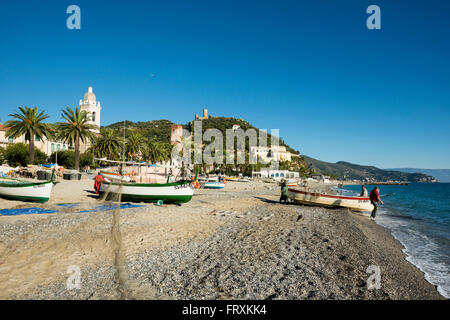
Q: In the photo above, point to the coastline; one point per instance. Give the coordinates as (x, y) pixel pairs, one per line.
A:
(237, 243)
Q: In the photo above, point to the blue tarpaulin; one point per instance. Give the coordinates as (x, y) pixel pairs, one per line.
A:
(68, 205)
(14, 212)
(112, 206)
(103, 207)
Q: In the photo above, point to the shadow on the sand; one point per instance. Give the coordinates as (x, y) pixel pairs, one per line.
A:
(92, 194)
(271, 201)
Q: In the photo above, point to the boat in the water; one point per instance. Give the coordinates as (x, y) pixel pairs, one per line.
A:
(22, 190)
(328, 200)
(115, 176)
(171, 192)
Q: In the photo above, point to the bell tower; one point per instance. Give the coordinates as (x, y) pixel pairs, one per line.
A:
(92, 107)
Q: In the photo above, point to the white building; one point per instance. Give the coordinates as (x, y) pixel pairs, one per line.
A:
(277, 153)
(92, 106)
(49, 146)
(275, 174)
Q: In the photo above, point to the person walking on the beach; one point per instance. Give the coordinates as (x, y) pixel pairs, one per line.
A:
(97, 183)
(283, 191)
(374, 199)
(364, 192)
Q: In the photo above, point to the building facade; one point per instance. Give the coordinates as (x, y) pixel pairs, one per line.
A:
(267, 154)
(275, 174)
(47, 146)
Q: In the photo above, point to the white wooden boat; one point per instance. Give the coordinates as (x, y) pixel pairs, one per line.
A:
(313, 198)
(172, 192)
(213, 184)
(243, 180)
(15, 189)
(115, 176)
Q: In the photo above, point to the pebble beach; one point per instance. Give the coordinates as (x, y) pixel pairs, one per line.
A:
(235, 243)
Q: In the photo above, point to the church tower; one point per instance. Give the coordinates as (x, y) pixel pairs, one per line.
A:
(92, 107)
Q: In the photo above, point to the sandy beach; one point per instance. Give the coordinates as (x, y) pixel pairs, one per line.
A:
(235, 243)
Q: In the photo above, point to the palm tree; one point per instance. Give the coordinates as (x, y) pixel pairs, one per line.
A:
(107, 145)
(76, 128)
(29, 122)
(135, 144)
(155, 152)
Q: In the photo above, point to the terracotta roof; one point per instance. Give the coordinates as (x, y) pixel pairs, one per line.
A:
(3, 128)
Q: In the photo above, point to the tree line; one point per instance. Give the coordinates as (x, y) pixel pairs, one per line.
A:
(74, 130)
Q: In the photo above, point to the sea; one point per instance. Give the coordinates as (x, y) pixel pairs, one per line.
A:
(418, 215)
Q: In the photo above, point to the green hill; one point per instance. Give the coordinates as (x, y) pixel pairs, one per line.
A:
(347, 170)
(157, 130)
(223, 123)
(443, 175)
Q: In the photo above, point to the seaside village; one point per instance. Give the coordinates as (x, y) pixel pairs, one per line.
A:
(119, 161)
(110, 202)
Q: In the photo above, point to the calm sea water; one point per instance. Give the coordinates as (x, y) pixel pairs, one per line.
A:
(418, 216)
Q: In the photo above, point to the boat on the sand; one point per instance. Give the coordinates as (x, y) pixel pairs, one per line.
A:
(214, 184)
(22, 190)
(171, 192)
(328, 200)
(115, 176)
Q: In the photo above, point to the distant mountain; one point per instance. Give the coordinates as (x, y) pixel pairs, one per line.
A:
(352, 171)
(443, 175)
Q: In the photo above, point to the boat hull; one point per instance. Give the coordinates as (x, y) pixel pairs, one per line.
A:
(26, 191)
(177, 192)
(361, 204)
(115, 176)
(214, 185)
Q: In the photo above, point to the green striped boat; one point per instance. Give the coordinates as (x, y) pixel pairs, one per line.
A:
(16, 189)
(172, 192)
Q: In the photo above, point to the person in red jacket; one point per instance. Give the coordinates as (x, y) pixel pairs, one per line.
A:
(375, 199)
(97, 183)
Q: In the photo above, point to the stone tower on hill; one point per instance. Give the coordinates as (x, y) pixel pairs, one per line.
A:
(205, 115)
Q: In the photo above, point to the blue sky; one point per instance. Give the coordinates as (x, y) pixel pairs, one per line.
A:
(336, 90)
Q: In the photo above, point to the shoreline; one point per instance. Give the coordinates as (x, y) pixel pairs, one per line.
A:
(416, 261)
(237, 243)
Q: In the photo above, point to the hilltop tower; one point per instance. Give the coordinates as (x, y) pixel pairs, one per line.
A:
(205, 115)
(92, 107)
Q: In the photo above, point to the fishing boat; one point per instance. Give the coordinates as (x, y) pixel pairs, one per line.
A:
(22, 190)
(231, 178)
(213, 184)
(115, 176)
(244, 179)
(170, 192)
(327, 200)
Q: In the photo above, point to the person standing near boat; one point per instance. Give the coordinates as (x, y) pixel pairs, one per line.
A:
(283, 191)
(374, 200)
(364, 192)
